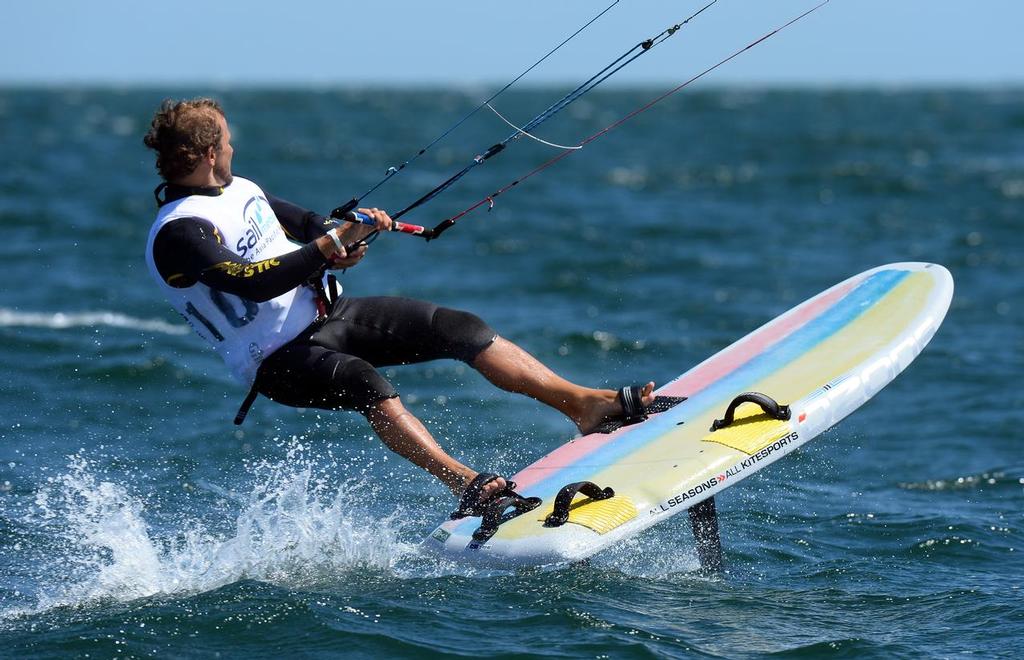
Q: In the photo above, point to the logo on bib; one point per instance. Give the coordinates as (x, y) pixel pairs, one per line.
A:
(260, 224)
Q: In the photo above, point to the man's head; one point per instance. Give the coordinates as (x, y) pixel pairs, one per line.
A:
(192, 142)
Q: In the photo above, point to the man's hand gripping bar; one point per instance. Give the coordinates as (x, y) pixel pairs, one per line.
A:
(356, 216)
(362, 218)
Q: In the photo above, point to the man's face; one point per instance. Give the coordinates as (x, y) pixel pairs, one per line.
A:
(222, 164)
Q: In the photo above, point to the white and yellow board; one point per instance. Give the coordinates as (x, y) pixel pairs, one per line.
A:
(824, 359)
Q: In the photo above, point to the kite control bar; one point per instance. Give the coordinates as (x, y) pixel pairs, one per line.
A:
(348, 215)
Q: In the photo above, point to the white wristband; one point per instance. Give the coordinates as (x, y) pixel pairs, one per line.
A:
(337, 243)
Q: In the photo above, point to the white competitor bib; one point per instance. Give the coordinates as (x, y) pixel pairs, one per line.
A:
(242, 331)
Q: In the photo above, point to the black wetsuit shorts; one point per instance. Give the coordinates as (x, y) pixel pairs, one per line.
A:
(334, 365)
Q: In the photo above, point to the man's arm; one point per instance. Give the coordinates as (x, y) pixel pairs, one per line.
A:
(300, 225)
(190, 250)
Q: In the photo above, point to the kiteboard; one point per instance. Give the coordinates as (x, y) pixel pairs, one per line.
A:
(730, 416)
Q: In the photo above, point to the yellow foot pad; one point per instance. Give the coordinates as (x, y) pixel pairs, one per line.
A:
(752, 430)
(602, 516)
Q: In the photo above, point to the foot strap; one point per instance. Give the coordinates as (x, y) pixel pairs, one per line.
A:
(470, 504)
(495, 509)
(633, 410)
(770, 406)
(632, 401)
(497, 512)
(563, 500)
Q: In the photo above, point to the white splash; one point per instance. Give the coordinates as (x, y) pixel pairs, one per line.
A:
(654, 554)
(291, 530)
(62, 320)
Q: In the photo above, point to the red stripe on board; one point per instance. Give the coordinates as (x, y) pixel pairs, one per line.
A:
(692, 382)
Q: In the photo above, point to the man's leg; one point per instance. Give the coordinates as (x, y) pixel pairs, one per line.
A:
(514, 370)
(405, 435)
(385, 331)
(305, 375)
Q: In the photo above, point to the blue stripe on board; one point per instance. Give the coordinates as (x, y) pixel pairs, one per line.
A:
(843, 312)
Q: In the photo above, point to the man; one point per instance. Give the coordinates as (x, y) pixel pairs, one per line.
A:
(237, 262)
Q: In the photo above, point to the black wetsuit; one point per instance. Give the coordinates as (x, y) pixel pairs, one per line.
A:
(332, 364)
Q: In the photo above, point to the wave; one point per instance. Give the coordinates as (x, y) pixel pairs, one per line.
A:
(64, 320)
(292, 529)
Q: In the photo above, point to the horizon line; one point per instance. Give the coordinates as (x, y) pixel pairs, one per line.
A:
(414, 86)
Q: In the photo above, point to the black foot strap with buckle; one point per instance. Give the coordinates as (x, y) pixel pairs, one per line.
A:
(770, 406)
(633, 409)
(497, 512)
(493, 510)
(563, 500)
(471, 504)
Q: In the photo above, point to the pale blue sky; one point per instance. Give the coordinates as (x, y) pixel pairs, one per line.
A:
(389, 42)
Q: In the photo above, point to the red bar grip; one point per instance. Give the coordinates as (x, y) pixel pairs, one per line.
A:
(407, 228)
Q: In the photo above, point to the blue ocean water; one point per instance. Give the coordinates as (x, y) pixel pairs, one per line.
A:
(136, 521)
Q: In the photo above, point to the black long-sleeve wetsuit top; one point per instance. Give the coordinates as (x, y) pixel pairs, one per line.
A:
(189, 250)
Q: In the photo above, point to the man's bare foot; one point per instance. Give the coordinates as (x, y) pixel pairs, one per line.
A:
(603, 405)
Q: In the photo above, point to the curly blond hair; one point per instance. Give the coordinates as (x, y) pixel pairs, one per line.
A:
(182, 133)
